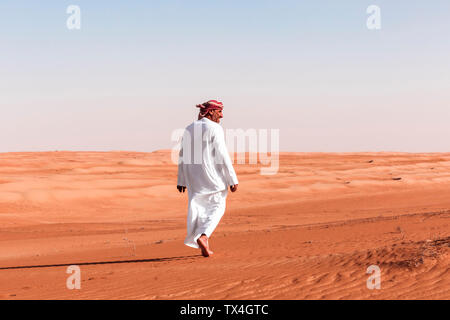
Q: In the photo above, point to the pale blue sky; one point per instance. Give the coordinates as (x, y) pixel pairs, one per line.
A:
(312, 69)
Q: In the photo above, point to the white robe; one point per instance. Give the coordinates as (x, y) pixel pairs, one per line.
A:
(206, 170)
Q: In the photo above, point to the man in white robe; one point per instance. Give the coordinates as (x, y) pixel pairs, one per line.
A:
(206, 170)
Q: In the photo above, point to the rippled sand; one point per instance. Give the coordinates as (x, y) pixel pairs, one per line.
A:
(309, 232)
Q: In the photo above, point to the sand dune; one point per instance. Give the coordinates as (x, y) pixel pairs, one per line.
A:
(309, 232)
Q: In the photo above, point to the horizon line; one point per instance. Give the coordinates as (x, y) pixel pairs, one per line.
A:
(246, 152)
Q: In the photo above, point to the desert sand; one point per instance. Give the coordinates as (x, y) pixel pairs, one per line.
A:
(308, 232)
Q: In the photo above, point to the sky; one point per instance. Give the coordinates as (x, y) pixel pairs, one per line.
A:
(134, 71)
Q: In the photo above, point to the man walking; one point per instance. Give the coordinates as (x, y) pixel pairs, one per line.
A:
(206, 170)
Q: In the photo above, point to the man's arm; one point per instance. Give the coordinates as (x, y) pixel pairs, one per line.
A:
(224, 157)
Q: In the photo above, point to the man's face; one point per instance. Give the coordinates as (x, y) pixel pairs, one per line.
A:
(216, 115)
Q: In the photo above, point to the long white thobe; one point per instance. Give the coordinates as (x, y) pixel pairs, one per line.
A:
(206, 170)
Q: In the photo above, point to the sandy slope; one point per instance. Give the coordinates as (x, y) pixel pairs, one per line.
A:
(309, 232)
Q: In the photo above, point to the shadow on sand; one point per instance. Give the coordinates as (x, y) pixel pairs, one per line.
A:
(103, 262)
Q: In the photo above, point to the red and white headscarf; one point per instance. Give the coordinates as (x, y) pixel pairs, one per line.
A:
(210, 105)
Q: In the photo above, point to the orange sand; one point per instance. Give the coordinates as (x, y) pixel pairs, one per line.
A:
(309, 232)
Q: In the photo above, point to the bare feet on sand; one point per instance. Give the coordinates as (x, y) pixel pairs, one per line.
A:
(204, 246)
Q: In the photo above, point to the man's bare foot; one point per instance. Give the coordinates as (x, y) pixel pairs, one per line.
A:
(204, 246)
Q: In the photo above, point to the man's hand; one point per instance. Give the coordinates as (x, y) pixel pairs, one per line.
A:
(181, 188)
(233, 188)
